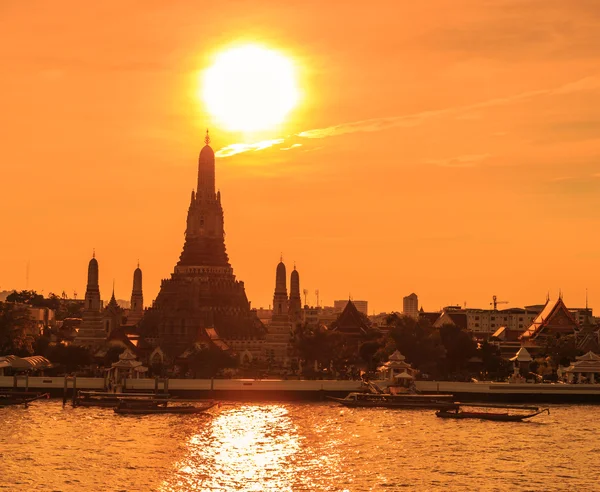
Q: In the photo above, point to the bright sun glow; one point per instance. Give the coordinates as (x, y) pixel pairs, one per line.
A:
(250, 88)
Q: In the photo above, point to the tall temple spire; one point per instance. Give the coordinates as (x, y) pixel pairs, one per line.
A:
(295, 307)
(91, 331)
(203, 291)
(136, 310)
(92, 291)
(280, 279)
(206, 171)
(280, 297)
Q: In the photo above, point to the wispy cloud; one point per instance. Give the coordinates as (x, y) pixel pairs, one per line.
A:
(470, 160)
(293, 146)
(238, 148)
(414, 119)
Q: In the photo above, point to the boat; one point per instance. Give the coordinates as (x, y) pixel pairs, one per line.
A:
(12, 398)
(385, 400)
(111, 400)
(147, 407)
(460, 413)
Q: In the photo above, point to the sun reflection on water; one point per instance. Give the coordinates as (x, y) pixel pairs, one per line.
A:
(244, 448)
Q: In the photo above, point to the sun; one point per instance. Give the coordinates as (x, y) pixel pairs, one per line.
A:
(250, 88)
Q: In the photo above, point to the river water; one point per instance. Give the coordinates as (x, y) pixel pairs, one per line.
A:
(289, 447)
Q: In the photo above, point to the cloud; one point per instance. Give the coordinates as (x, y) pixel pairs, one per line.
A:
(293, 146)
(469, 160)
(238, 148)
(415, 119)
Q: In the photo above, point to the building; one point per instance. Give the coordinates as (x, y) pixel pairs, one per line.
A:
(410, 306)
(279, 330)
(295, 305)
(483, 322)
(362, 306)
(554, 320)
(351, 322)
(203, 292)
(91, 331)
(136, 309)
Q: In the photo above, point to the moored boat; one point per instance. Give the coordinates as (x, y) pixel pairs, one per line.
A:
(480, 413)
(111, 400)
(148, 407)
(384, 400)
(11, 398)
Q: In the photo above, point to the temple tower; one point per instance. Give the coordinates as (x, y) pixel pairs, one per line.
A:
(280, 297)
(202, 291)
(91, 332)
(295, 299)
(136, 312)
(92, 291)
(279, 331)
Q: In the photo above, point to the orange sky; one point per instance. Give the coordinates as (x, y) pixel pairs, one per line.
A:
(457, 155)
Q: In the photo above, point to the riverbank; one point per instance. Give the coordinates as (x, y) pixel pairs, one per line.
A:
(315, 390)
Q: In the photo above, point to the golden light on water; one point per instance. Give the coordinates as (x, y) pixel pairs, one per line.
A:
(250, 88)
(246, 448)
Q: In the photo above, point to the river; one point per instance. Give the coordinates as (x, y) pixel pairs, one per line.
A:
(290, 447)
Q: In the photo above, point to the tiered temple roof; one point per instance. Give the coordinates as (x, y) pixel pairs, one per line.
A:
(351, 322)
(554, 319)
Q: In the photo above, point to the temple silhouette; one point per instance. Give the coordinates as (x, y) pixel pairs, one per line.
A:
(203, 293)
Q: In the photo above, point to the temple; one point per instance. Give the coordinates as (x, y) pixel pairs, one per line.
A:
(102, 325)
(202, 292)
(91, 331)
(554, 320)
(279, 330)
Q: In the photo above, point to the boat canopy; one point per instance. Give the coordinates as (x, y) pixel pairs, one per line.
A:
(26, 363)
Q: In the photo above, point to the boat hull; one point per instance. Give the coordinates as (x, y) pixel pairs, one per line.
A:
(420, 402)
(496, 417)
(162, 410)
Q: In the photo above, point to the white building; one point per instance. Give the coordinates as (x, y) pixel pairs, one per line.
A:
(410, 306)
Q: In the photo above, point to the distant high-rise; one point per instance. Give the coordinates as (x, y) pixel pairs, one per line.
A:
(410, 306)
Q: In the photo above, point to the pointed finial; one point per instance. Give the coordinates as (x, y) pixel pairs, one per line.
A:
(207, 138)
(94, 253)
(138, 262)
(294, 265)
(548, 296)
(113, 287)
(281, 257)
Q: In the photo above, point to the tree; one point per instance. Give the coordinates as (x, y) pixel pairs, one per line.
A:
(494, 365)
(368, 351)
(419, 342)
(70, 357)
(206, 362)
(14, 339)
(459, 345)
(561, 349)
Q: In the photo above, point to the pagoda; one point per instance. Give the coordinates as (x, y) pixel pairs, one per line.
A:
(203, 292)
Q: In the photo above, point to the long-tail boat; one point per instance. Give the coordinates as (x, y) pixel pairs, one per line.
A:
(11, 398)
(128, 406)
(111, 400)
(407, 400)
(460, 413)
